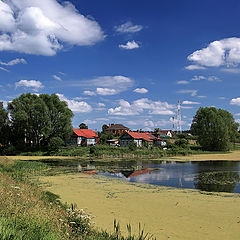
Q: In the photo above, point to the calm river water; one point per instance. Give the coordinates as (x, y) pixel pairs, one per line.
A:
(212, 176)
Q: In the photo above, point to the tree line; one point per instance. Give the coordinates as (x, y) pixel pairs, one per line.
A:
(34, 121)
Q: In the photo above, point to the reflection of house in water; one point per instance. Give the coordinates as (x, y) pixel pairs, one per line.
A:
(132, 173)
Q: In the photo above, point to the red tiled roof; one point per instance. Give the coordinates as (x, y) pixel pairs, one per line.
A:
(145, 136)
(87, 133)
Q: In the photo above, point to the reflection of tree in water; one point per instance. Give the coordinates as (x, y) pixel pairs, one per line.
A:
(217, 176)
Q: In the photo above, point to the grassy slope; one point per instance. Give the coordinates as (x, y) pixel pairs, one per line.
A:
(166, 212)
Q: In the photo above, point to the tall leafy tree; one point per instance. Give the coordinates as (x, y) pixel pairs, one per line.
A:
(4, 125)
(215, 128)
(83, 126)
(59, 115)
(36, 119)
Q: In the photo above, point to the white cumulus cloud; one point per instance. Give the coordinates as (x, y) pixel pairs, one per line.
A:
(76, 106)
(34, 84)
(43, 27)
(235, 101)
(225, 52)
(128, 27)
(106, 91)
(129, 45)
(140, 90)
(141, 105)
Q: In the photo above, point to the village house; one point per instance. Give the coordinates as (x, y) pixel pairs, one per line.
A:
(116, 129)
(164, 134)
(84, 137)
(139, 138)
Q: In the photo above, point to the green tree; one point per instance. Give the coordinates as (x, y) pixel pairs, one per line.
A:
(4, 125)
(215, 128)
(104, 128)
(36, 119)
(83, 126)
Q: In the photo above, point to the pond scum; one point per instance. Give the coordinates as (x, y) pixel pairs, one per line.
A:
(27, 212)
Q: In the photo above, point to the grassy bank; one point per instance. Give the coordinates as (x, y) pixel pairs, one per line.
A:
(27, 212)
(168, 213)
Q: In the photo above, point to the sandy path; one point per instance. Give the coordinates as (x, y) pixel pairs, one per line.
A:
(168, 213)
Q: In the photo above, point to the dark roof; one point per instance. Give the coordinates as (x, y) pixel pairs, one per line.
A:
(117, 127)
(87, 133)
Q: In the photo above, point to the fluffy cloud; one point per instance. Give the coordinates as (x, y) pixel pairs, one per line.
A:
(140, 90)
(105, 91)
(194, 67)
(192, 92)
(235, 101)
(141, 105)
(14, 62)
(128, 27)
(189, 103)
(183, 82)
(34, 84)
(57, 77)
(225, 52)
(76, 106)
(106, 85)
(42, 27)
(129, 45)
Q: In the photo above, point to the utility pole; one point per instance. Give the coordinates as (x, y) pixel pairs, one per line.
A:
(179, 118)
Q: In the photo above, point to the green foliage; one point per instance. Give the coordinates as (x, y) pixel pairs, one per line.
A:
(55, 144)
(133, 146)
(215, 128)
(4, 125)
(183, 143)
(83, 126)
(20, 229)
(36, 119)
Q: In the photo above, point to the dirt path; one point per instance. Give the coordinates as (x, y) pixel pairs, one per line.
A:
(168, 213)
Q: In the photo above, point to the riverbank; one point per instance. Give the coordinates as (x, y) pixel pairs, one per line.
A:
(231, 156)
(216, 156)
(168, 213)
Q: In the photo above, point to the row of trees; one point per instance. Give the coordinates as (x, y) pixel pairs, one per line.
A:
(35, 120)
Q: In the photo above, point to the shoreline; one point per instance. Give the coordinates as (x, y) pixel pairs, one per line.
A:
(231, 156)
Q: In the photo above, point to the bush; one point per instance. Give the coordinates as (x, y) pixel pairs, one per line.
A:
(133, 146)
(55, 144)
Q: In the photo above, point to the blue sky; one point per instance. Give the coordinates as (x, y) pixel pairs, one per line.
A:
(123, 61)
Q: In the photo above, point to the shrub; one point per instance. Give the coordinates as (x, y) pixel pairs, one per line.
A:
(133, 146)
(55, 143)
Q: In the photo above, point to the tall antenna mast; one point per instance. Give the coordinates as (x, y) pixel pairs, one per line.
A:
(179, 118)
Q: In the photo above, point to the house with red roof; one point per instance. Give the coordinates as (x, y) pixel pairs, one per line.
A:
(138, 137)
(84, 137)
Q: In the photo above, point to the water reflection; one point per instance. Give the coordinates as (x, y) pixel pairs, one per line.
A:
(217, 177)
(213, 176)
